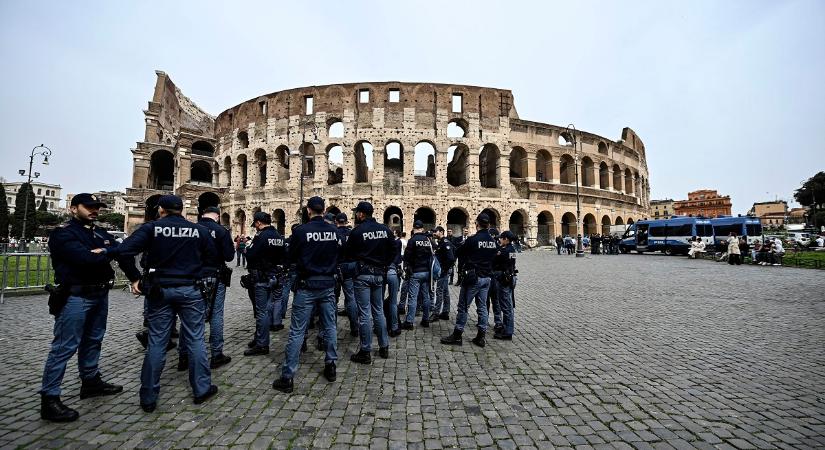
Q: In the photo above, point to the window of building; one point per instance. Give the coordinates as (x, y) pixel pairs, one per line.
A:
(364, 96)
(395, 95)
(457, 102)
(308, 104)
(263, 107)
(51, 204)
(39, 191)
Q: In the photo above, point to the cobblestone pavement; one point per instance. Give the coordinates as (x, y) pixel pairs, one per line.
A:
(611, 351)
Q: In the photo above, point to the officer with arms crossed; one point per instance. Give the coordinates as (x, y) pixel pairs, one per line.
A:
(265, 262)
(314, 248)
(477, 252)
(445, 252)
(504, 271)
(418, 260)
(370, 244)
(175, 250)
(80, 305)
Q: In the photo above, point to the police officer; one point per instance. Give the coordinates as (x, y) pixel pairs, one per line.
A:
(445, 252)
(370, 244)
(418, 259)
(459, 241)
(451, 239)
(314, 247)
(393, 281)
(80, 306)
(504, 271)
(346, 276)
(175, 250)
(477, 253)
(264, 260)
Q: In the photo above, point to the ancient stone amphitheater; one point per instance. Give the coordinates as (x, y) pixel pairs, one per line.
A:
(436, 152)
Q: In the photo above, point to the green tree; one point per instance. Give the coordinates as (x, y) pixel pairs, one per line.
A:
(45, 218)
(24, 196)
(114, 219)
(812, 193)
(43, 205)
(4, 214)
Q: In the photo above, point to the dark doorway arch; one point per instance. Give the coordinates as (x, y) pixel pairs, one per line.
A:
(458, 160)
(567, 173)
(605, 225)
(495, 218)
(203, 148)
(206, 200)
(457, 220)
(488, 161)
(225, 220)
(589, 224)
(568, 224)
(394, 218)
(279, 220)
(200, 172)
(333, 210)
(426, 215)
(162, 171)
(517, 222)
(546, 229)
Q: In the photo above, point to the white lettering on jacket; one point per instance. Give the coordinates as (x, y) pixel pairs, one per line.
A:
(486, 244)
(370, 235)
(320, 236)
(176, 232)
(275, 242)
(423, 244)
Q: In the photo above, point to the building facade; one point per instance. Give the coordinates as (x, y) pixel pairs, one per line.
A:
(50, 193)
(436, 152)
(115, 201)
(661, 209)
(772, 214)
(704, 202)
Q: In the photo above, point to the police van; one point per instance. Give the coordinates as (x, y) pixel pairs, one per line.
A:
(748, 226)
(670, 236)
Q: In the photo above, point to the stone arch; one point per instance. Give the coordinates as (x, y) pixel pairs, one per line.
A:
(282, 157)
(394, 161)
(602, 148)
(206, 200)
(587, 172)
(225, 220)
(617, 177)
(604, 176)
(495, 217)
(279, 220)
(260, 161)
(544, 168)
(589, 224)
(394, 218)
(203, 148)
(363, 162)
(457, 219)
(240, 223)
(226, 171)
(162, 170)
(458, 156)
(518, 163)
(605, 225)
(243, 165)
(332, 209)
(335, 128)
(307, 152)
(488, 161)
(243, 139)
(546, 228)
(569, 225)
(628, 182)
(457, 128)
(335, 163)
(150, 211)
(424, 159)
(200, 172)
(426, 215)
(565, 139)
(567, 174)
(518, 222)
(630, 221)
(619, 221)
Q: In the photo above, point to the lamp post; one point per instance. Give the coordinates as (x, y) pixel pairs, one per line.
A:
(580, 231)
(301, 151)
(46, 152)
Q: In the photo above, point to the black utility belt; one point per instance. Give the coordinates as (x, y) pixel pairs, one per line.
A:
(316, 282)
(80, 289)
(368, 269)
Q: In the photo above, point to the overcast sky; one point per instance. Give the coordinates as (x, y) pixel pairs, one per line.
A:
(726, 95)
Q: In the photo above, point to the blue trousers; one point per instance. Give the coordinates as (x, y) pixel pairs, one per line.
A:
(265, 292)
(393, 282)
(351, 306)
(505, 302)
(369, 293)
(442, 295)
(215, 325)
(419, 282)
(405, 293)
(493, 293)
(186, 302)
(477, 292)
(80, 328)
(302, 305)
(279, 301)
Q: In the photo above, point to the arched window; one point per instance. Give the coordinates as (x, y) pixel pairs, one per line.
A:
(458, 157)
(363, 162)
(494, 217)
(605, 225)
(457, 220)
(568, 224)
(243, 139)
(335, 128)
(517, 221)
(162, 170)
(203, 148)
(544, 168)
(617, 177)
(307, 152)
(628, 182)
(587, 171)
(546, 228)
(426, 215)
(488, 166)
(457, 128)
(226, 171)
(602, 148)
(260, 159)
(518, 162)
(567, 174)
(243, 166)
(424, 159)
(604, 176)
(394, 218)
(200, 172)
(335, 164)
(282, 156)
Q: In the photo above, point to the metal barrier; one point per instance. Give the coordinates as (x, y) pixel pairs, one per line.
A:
(31, 272)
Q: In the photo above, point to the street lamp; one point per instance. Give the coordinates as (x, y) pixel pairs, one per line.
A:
(301, 150)
(579, 251)
(46, 152)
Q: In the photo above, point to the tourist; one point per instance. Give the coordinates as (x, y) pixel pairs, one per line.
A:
(559, 244)
(733, 249)
(777, 252)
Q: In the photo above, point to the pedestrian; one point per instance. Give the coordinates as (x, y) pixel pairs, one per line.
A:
(370, 244)
(504, 270)
(265, 263)
(418, 262)
(314, 247)
(175, 250)
(478, 253)
(80, 306)
(240, 246)
(465, 233)
(445, 252)
(733, 249)
(559, 244)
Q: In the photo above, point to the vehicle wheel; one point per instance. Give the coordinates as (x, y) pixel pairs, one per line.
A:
(668, 251)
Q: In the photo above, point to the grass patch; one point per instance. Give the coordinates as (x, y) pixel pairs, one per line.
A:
(21, 271)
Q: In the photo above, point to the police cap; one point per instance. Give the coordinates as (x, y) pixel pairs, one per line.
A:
(493, 232)
(329, 217)
(172, 202)
(262, 217)
(418, 224)
(89, 200)
(483, 219)
(341, 218)
(211, 209)
(315, 203)
(364, 207)
(508, 235)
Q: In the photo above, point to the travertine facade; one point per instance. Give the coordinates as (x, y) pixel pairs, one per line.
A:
(441, 153)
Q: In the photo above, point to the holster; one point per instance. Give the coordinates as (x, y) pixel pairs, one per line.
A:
(470, 277)
(58, 296)
(246, 281)
(208, 288)
(225, 275)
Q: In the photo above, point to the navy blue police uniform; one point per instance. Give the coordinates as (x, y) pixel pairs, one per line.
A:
(504, 270)
(418, 259)
(265, 262)
(445, 253)
(346, 278)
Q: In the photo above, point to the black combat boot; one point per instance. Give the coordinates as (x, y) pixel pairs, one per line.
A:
(362, 357)
(407, 326)
(479, 339)
(52, 409)
(384, 352)
(219, 360)
(206, 396)
(183, 363)
(96, 387)
(434, 317)
(255, 351)
(425, 323)
(502, 336)
(444, 316)
(283, 384)
(453, 339)
(329, 372)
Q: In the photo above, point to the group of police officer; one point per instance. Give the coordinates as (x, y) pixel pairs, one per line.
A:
(184, 275)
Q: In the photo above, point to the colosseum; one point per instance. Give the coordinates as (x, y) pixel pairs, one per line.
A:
(436, 152)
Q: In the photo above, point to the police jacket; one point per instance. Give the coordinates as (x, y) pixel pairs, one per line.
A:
(505, 259)
(478, 252)
(314, 247)
(266, 250)
(418, 256)
(174, 246)
(445, 252)
(397, 252)
(70, 245)
(223, 244)
(370, 243)
(343, 235)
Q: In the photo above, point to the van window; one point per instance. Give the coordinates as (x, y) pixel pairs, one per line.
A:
(680, 230)
(704, 230)
(754, 229)
(657, 230)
